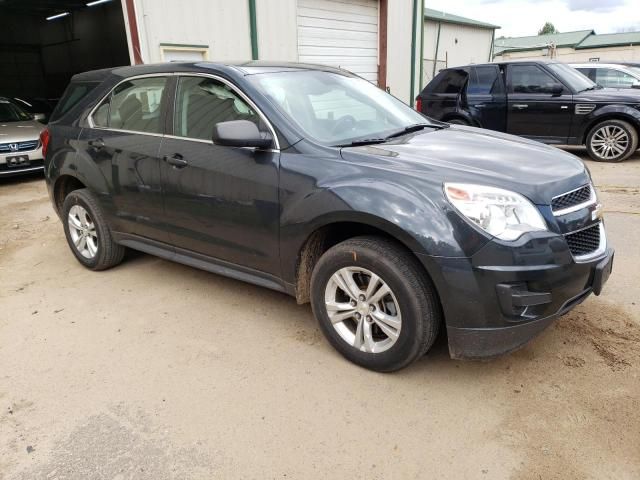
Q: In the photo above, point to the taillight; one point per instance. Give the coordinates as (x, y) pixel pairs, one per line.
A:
(45, 136)
(418, 104)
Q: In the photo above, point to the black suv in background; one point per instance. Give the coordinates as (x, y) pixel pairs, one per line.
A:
(314, 182)
(545, 101)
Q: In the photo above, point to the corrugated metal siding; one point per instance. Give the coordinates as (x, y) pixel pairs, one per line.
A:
(340, 33)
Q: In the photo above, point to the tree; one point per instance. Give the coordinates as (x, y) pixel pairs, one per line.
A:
(548, 28)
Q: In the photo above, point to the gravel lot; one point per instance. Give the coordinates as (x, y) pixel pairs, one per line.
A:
(154, 370)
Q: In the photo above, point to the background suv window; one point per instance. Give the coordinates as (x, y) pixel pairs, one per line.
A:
(202, 102)
(608, 77)
(133, 105)
(530, 79)
(484, 81)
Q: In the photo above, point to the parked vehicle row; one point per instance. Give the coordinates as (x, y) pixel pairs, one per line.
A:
(313, 182)
(610, 75)
(545, 101)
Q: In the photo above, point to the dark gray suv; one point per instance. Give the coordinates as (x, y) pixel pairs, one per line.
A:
(313, 182)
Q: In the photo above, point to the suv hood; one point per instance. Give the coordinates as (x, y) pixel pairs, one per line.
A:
(609, 95)
(20, 131)
(474, 155)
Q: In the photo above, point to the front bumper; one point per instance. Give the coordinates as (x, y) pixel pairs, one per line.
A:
(35, 163)
(503, 296)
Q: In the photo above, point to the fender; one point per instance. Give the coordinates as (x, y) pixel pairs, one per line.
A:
(411, 217)
(623, 112)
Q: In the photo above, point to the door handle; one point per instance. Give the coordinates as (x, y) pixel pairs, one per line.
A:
(97, 143)
(176, 160)
(520, 106)
(480, 105)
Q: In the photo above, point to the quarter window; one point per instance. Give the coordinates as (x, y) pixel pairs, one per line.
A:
(202, 102)
(530, 79)
(449, 81)
(133, 105)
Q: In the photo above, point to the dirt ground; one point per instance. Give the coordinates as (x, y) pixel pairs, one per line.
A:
(154, 370)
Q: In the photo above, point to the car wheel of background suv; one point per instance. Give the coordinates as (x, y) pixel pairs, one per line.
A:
(458, 121)
(87, 232)
(612, 141)
(374, 304)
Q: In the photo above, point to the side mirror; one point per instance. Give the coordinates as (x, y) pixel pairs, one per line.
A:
(556, 89)
(240, 133)
(39, 117)
(636, 85)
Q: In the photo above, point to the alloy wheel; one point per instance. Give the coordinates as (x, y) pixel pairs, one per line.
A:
(83, 231)
(610, 142)
(363, 309)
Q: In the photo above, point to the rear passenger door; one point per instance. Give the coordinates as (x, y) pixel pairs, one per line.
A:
(221, 202)
(486, 97)
(123, 141)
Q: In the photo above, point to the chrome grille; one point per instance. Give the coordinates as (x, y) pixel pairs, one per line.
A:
(573, 198)
(584, 242)
(19, 146)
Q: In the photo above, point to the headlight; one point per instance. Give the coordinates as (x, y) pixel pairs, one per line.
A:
(501, 213)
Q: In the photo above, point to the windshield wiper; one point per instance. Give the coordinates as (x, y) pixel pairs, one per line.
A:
(363, 141)
(412, 128)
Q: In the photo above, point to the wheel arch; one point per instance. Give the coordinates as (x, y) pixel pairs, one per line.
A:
(327, 234)
(611, 115)
(62, 186)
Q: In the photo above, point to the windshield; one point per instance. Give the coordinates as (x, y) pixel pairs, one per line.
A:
(572, 77)
(635, 71)
(12, 113)
(336, 109)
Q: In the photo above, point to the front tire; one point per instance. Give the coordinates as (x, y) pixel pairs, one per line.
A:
(374, 304)
(612, 141)
(87, 232)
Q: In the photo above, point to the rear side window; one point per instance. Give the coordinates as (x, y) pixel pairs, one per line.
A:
(530, 79)
(75, 92)
(449, 81)
(484, 81)
(133, 105)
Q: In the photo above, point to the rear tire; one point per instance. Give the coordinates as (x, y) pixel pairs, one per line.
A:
(87, 232)
(612, 141)
(384, 325)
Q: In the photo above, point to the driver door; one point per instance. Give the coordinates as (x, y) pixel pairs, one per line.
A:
(221, 202)
(533, 111)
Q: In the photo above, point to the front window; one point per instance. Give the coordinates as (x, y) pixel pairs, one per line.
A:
(571, 77)
(202, 102)
(531, 79)
(10, 112)
(333, 108)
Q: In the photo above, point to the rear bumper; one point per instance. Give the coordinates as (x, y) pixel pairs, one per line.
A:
(502, 297)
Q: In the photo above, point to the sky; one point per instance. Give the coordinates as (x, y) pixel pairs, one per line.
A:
(525, 17)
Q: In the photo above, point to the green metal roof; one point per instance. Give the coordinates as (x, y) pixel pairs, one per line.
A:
(536, 42)
(610, 40)
(437, 16)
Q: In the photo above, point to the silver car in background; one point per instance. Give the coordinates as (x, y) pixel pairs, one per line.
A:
(20, 148)
(610, 75)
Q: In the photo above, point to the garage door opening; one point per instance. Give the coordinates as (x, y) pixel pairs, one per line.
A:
(45, 42)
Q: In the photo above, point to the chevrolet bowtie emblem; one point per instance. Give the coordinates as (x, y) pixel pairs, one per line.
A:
(597, 213)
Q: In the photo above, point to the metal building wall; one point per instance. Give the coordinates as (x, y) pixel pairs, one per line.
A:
(457, 45)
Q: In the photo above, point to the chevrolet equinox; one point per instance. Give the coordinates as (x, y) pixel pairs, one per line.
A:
(312, 181)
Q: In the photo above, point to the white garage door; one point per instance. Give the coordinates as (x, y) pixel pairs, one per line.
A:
(341, 33)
